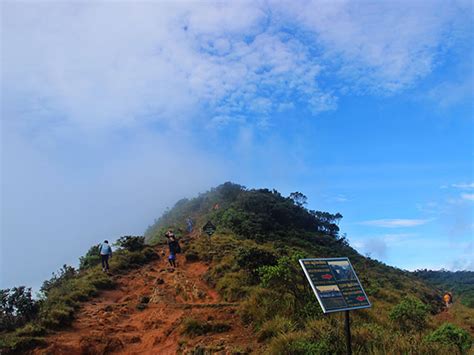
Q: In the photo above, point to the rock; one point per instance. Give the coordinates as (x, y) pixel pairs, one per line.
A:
(144, 299)
(141, 306)
(99, 345)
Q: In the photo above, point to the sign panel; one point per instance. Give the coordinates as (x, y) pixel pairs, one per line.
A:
(335, 284)
(209, 228)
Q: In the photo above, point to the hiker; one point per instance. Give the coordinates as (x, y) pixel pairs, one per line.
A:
(173, 246)
(105, 253)
(448, 299)
(189, 223)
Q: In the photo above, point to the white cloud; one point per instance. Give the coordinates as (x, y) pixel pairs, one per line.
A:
(468, 197)
(395, 223)
(119, 64)
(338, 198)
(464, 185)
(385, 46)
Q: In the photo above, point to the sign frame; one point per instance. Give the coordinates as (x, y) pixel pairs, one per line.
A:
(325, 311)
(209, 228)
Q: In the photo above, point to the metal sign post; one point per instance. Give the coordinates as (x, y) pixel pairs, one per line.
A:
(209, 229)
(337, 288)
(347, 327)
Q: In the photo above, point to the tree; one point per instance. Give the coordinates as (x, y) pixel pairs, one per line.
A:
(251, 258)
(91, 258)
(327, 223)
(298, 198)
(131, 243)
(16, 307)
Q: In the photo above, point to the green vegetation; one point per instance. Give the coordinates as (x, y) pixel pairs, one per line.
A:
(460, 283)
(410, 314)
(253, 258)
(194, 327)
(449, 334)
(24, 321)
(260, 236)
(17, 307)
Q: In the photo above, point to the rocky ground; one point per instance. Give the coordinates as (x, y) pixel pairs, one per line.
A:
(147, 314)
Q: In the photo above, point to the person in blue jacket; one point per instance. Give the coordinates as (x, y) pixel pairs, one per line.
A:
(105, 254)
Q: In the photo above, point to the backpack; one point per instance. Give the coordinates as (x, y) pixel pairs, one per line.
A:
(178, 248)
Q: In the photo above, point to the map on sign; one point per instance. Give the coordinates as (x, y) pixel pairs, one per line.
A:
(335, 284)
(209, 228)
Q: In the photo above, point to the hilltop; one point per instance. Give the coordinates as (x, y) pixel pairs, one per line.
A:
(239, 291)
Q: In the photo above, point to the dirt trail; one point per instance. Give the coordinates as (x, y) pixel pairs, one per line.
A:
(114, 322)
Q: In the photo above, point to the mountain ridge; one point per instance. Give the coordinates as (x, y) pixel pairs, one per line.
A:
(249, 267)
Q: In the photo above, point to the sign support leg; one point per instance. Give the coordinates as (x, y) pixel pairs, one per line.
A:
(347, 326)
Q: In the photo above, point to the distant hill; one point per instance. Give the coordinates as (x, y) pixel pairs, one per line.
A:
(460, 283)
(240, 291)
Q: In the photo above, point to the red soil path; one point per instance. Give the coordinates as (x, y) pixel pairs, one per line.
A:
(112, 323)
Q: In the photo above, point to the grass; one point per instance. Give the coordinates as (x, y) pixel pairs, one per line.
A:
(194, 327)
(58, 307)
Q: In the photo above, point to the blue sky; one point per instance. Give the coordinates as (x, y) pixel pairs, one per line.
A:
(113, 111)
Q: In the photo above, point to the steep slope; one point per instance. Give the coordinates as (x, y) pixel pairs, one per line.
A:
(150, 312)
(460, 283)
(239, 291)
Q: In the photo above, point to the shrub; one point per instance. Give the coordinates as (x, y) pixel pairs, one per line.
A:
(65, 273)
(100, 280)
(31, 329)
(253, 257)
(91, 258)
(16, 307)
(13, 344)
(449, 334)
(56, 316)
(131, 243)
(410, 314)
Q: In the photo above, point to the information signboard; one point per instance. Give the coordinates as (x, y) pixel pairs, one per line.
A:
(335, 284)
(209, 228)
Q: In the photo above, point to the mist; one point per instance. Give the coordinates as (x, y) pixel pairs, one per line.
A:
(56, 205)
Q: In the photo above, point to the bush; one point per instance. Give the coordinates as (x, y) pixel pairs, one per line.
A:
(13, 344)
(64, 274)
(31, 329)
(91, 258)
(253, 257)
(449, 334)
(410, 314)
(131, 243)
(16, 307)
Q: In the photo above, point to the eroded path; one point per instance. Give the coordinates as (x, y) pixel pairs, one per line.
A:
(120, 320)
